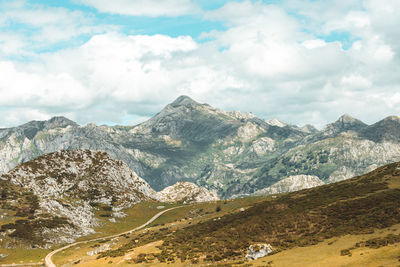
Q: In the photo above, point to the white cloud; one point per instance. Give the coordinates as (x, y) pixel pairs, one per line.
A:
(355, 81)
(315, 43)
(151, 8)
(18, 115)
(48, 26)
(264, 62)
(25, 89)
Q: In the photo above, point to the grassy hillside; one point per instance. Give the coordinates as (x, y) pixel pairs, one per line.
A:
(359, 206)
(171, 221)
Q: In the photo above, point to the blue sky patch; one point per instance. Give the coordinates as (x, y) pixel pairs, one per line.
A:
(345, 38)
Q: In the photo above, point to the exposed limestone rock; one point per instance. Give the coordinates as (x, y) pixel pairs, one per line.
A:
(187, 193)
(291, 184)
(100, 249)
(341, 174)
(248, 132)
(240, 115)
(262, 146)
(258, 251)
(276, 122)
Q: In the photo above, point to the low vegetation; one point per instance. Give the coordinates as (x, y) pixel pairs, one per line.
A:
(356, 206)
(374, 243)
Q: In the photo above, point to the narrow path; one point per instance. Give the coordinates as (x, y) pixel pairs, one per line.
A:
(50, 263)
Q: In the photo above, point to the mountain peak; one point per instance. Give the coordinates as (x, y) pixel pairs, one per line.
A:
(392, 118)
(346, 118)
(184, 100)
(276, 122)
(60, 122)
(343, 124)
(387, 129)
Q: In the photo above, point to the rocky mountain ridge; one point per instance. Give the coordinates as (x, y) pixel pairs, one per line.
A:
(231, 152)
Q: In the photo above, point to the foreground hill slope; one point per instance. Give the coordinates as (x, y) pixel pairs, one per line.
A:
(361, 205)
(233, 153)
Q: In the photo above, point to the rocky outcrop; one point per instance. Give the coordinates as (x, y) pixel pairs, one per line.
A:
(258, 251)
(291, 184)
(73, 184)
(187, 193)
(276, 122)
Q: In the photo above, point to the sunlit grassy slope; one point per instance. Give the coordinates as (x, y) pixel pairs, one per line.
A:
(175, 219)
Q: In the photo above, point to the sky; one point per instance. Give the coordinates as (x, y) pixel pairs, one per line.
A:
(121, 61)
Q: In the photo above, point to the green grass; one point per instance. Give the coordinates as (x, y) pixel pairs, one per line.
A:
(190, 214)
(136, 216)
(19, 255)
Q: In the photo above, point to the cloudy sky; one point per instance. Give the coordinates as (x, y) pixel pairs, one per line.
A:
(121, 61)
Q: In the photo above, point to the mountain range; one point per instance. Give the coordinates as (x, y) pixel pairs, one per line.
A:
(232, 153)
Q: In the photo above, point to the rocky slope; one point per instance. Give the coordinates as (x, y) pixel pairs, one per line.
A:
(343, 149)
(187, 193)
(291, 184)
(230, 152)
(70, 186)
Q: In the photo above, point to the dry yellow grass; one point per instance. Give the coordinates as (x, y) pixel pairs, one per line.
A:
(323, 254)
(327, 253)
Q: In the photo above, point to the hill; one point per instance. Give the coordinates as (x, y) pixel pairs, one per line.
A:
(362, 205)
(63, 190)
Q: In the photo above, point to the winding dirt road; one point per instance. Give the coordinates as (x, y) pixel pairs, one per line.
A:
(50, 263)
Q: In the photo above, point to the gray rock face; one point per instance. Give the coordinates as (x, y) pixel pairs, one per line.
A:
(291, 184)
(230, 152)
